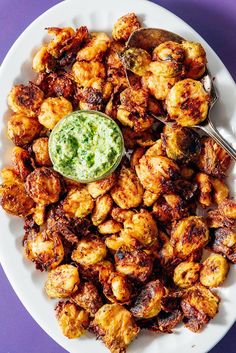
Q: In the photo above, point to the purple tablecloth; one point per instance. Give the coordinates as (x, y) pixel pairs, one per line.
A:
(215, 20)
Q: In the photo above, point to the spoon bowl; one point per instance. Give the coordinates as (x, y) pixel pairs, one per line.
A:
(150, 38)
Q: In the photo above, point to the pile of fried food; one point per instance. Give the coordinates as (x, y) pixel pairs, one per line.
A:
(128, 247)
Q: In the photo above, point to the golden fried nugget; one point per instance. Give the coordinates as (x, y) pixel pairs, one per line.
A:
(195, 59)
(95, 47)
(228, 208)
(186, 274)
(100, 187)
(62, 281)
(117, 333)
(124, 26)
(109, 227)
(88, 298)
(214, 271)
(78, 203)
(128, 191)
(44, 185)
(103, 206)
(72, 319)
(41, 154)
(89, 251)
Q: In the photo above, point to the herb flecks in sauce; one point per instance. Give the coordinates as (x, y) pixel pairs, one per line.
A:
(85, 145)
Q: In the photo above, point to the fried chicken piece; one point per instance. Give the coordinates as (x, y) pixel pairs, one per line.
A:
(72, 319)
(44, 186)
(89, 251)
(199, 306)
(124, 26)
(14, 199)
(186, 274)
(223, 241)
(117, 288)
(128, 191)
(213, 159)
(52, 110)
(109, 227)
(121, 215)
(62, 281)
(195, 59)
(22, 129)
(25, 99)
(41, 154)
(156, 172)
(22, 162)
(44, 248)
(78, 203)
(228, 208)
(169, 208)
(100, 187)
(148, 303)
(88, 298)
(95, 47)
(117, 333)
(141, 227)
(189, 235)
(134, 263)
(187, 102)
(214, 271)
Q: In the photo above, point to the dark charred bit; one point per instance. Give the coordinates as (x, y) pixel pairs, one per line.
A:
(165, 322)
(221, 243)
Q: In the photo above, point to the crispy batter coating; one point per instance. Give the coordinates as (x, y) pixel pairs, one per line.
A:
(62, 281)
(215, 220)
(113, 53)
(117, 333)
(223, 241)
(102, 208)
(109, 227)
(187, 102)
(41, 154)
(121, 215)
(134, 263)
(127, 184)
(155, 172)
(22, 129)
(165, 322)
(61, 36)
(148, 303)
(88, 298)
(89, 251)
(214, 271)
(159, 86)
(195, 59)
(14, 198)
(117, 288)
(72, 319)
(228, 208)
(137, 138)
(134, 100)
(95, 47)
(204, 189)
(142, 227)
(57, 84)
(44, 248)
(169, 208)
(78, 203)
(84, 71)
(25, 99)
(100, 187)
(22, 162)
(44, 185)
(169, 51)
(186, 274)
(95, 95)
(39, 215)
(220, 190)
(136, 155)
(134, 120)
(149, 198)
(52, 110)
(199, 305)
(181, 143)
(43, 61)
(114, 242)
(124, 26)
(189, 235)
(213, 159)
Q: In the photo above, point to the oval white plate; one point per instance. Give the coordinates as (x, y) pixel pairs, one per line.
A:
(26, 281)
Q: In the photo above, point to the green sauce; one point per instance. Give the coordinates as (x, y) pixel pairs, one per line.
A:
(85, 146)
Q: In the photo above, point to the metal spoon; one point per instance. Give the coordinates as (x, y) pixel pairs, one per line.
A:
(148, 39)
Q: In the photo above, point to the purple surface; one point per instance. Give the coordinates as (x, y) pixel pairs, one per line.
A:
(215, 21)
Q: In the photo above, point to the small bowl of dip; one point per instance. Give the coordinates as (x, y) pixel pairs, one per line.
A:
(86, 146)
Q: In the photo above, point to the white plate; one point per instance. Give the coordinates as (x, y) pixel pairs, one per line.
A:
(26, 281)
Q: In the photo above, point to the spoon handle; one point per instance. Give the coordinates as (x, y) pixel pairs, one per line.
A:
(210, 129)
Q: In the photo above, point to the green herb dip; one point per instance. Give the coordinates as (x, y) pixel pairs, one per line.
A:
(85, 146)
